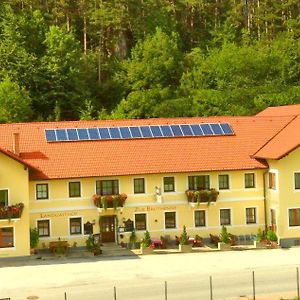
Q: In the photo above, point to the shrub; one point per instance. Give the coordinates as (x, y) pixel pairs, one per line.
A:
(34, 237)
(146, 242)
(224, 236)
(271, 236)
(184, 239)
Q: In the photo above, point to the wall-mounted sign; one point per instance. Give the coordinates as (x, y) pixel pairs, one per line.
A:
(154, 208)
(59, 214)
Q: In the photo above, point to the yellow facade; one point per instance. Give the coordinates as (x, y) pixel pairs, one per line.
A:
(14, 179)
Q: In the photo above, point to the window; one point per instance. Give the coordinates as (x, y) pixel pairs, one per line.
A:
(88, 228)
(107, 187)
(43, 228)
(3, 198)
(169, 184)
(199, 218)
(249, 180)
(170, 220)
(250, 215)
(272, 181)
(42, 191)
(75, 226)
(225, 217)
(224, 182)
(74, 189)
(199, 182)
(294, 217)
(139, 185)
(140, 222)
(297, 181)
(6, 237)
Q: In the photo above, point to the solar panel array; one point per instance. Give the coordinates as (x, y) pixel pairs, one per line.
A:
(136, 132)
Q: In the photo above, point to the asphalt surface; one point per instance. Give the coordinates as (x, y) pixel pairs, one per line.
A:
(187, 276)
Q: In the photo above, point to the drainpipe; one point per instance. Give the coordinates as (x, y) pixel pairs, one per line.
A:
(265, 201)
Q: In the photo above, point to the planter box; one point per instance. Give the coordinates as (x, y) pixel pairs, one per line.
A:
(185, 248)
(223, 246)
(146, 250)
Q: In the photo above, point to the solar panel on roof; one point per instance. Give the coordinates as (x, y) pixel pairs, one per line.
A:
(50, 135)
(93, 133)
(156, 131)
(186, 129)
(226, 128)
(196, 130)
(166, 130)
(206, 129)
(72, 134)
(125, 133)
(176, 130)
(135, 132)
(83, 134)
(145, 131)
(104, 134)
(114, 133)
(61, 135)
(216, 128)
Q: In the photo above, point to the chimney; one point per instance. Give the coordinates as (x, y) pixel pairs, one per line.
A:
(16, 143)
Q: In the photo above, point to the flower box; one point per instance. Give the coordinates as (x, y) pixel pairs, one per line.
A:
(202, 196)
(12, 211)
(109, 201)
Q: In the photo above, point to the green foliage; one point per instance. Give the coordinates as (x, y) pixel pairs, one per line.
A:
(271, 236)
(146, 242)
(260, 236)
(89, 242)
(224, 235)
(184, 239)
(14, 102)
(34, 237)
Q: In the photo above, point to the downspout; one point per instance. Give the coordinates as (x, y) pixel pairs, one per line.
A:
(265, 201)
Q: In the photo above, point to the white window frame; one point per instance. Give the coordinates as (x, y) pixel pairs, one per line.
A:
(8, 194)
(206, 219)
(231, 217)
(163, 186)
(176, 219)
(145, 186)
(15, 241)
(81, 190)
(69, 227)
(147, 224)
(288, 219)
(46, 199)
(50, 228)
(294, 185)
(255, 181)
(275, 171)
(256, 216)
(229, 182)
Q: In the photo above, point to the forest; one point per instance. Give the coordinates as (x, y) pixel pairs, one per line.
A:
(113, 59)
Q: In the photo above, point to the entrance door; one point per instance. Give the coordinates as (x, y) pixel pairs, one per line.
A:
(107, 228)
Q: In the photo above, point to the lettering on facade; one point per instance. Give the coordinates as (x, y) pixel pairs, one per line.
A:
(154, 208)
(59, 214)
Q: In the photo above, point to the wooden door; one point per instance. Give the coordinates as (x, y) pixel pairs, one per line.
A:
(107, 228)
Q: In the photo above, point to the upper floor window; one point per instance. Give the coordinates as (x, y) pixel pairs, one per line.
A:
(169, 184)
(297, 181)
(139, 185)
(272, 180)
(107, 187)
(42, 191)
(43, 227)
(225, 218)
(224, 182)
(199, 218)
(74, 189)
(199, 182)
(140, 222)
(3, 198)
(75, 226)
(249, 180)
(250, 215)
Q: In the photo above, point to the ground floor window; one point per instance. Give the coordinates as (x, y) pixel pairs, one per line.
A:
(75, 226)
(251, 215)
(140, 222)
(88, 228)
(43, 228)
(294, 217)
(199, 218)
(170, 220)
(225, 217)
(6, 237)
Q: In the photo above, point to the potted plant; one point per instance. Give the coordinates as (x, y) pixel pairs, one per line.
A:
(34, 240)
(224, 243)
(260, 241)
(272, 238)
(132, 240)
(146, 244)
(184, 245)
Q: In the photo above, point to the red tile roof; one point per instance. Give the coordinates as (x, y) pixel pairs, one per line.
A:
(142, 156)
(285, 110)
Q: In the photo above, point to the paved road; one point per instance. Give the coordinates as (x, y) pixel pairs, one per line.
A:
(142, 277)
